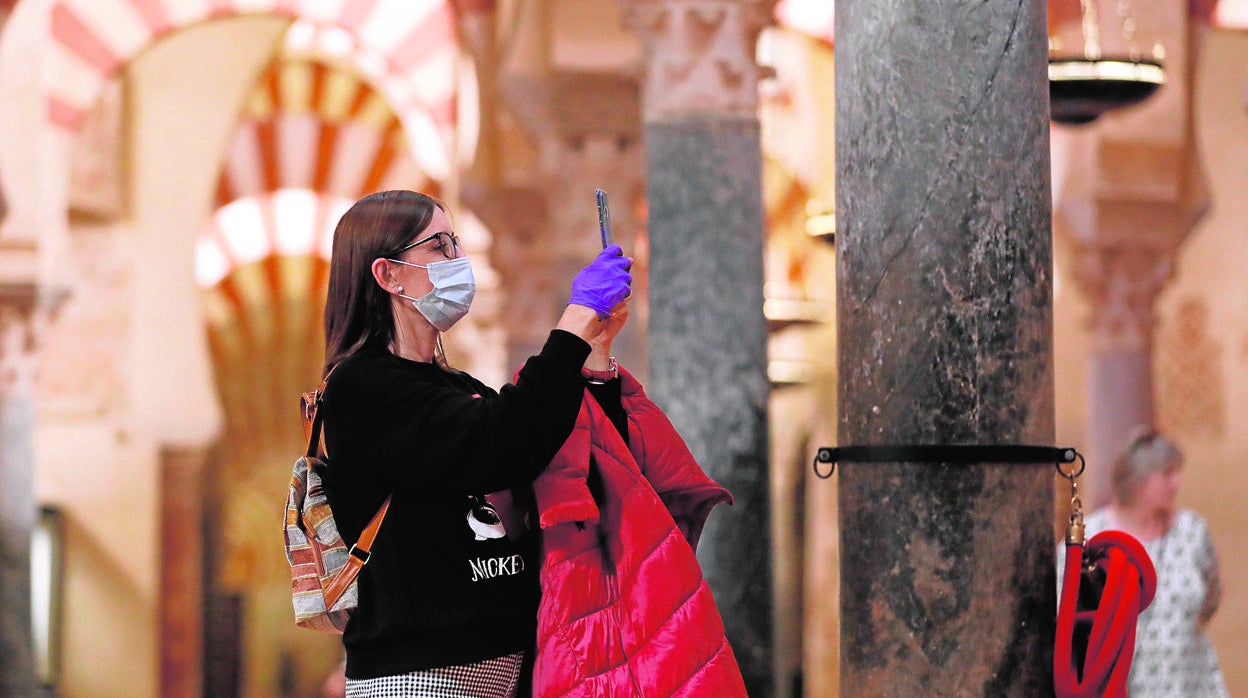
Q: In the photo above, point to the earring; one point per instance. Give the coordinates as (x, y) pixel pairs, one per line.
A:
(398, 289)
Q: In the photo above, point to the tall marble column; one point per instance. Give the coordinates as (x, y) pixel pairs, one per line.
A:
(708, 337)
(944, 301)
(18, 507)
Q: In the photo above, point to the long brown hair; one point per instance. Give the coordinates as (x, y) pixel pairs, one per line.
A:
(357, 309)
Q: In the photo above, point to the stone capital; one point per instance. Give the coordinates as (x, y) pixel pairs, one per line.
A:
(1121, 286)
(1122, 256)
(17, 347)
(1126, 211)
(25, 306)
(699, 55)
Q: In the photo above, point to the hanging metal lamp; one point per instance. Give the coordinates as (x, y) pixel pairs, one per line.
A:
(1084, 86)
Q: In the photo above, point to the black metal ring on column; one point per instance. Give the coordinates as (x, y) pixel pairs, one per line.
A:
(948, 453)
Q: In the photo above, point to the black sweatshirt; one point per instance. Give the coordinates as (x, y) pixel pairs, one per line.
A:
(443, 585)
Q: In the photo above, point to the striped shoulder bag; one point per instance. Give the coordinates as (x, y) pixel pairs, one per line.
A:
(322, 568)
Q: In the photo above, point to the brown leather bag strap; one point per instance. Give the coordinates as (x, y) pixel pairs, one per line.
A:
(359, 553)
(357, 557)
(369, 534)
(310, 406)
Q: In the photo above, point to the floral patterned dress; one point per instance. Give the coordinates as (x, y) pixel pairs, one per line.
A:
(1173, 657)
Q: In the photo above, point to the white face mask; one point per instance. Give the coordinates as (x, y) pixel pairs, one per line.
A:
(453, 289)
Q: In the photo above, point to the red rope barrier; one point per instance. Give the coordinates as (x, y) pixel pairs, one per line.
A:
(1096, 619)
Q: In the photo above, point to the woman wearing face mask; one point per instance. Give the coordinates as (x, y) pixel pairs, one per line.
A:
(447, 602)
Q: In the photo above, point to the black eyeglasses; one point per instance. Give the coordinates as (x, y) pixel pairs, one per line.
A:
(448, 245)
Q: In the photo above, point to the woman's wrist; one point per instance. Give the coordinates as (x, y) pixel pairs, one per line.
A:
(600, 374)
(599, 356)
(581, 321)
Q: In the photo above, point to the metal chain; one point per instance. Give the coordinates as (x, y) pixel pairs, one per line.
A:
(1075, 529)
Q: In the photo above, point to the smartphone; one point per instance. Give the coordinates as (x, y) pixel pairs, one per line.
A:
(604, 217)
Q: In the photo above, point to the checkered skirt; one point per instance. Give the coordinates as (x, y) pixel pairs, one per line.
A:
(491, 678)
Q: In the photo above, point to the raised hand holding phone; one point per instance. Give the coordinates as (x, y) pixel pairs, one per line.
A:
(605, 283)
(604, 217)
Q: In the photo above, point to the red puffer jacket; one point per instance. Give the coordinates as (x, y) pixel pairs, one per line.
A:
(625, 610)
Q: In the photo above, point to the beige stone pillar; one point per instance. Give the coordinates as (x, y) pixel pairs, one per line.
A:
(1122, 280)
(1133, 189)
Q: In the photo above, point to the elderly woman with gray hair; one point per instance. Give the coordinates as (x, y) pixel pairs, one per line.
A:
(1173, 656)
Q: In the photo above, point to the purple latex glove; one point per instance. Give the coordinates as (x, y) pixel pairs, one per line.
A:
(604, 283)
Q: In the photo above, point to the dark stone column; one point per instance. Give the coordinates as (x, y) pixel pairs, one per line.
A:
(181, 571)
(708, 354)
(18, 508)
(708, 337)
(945, 337)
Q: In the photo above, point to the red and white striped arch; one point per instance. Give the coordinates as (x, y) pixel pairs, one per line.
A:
(405, 47)
(312, 139)
(313, 126)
